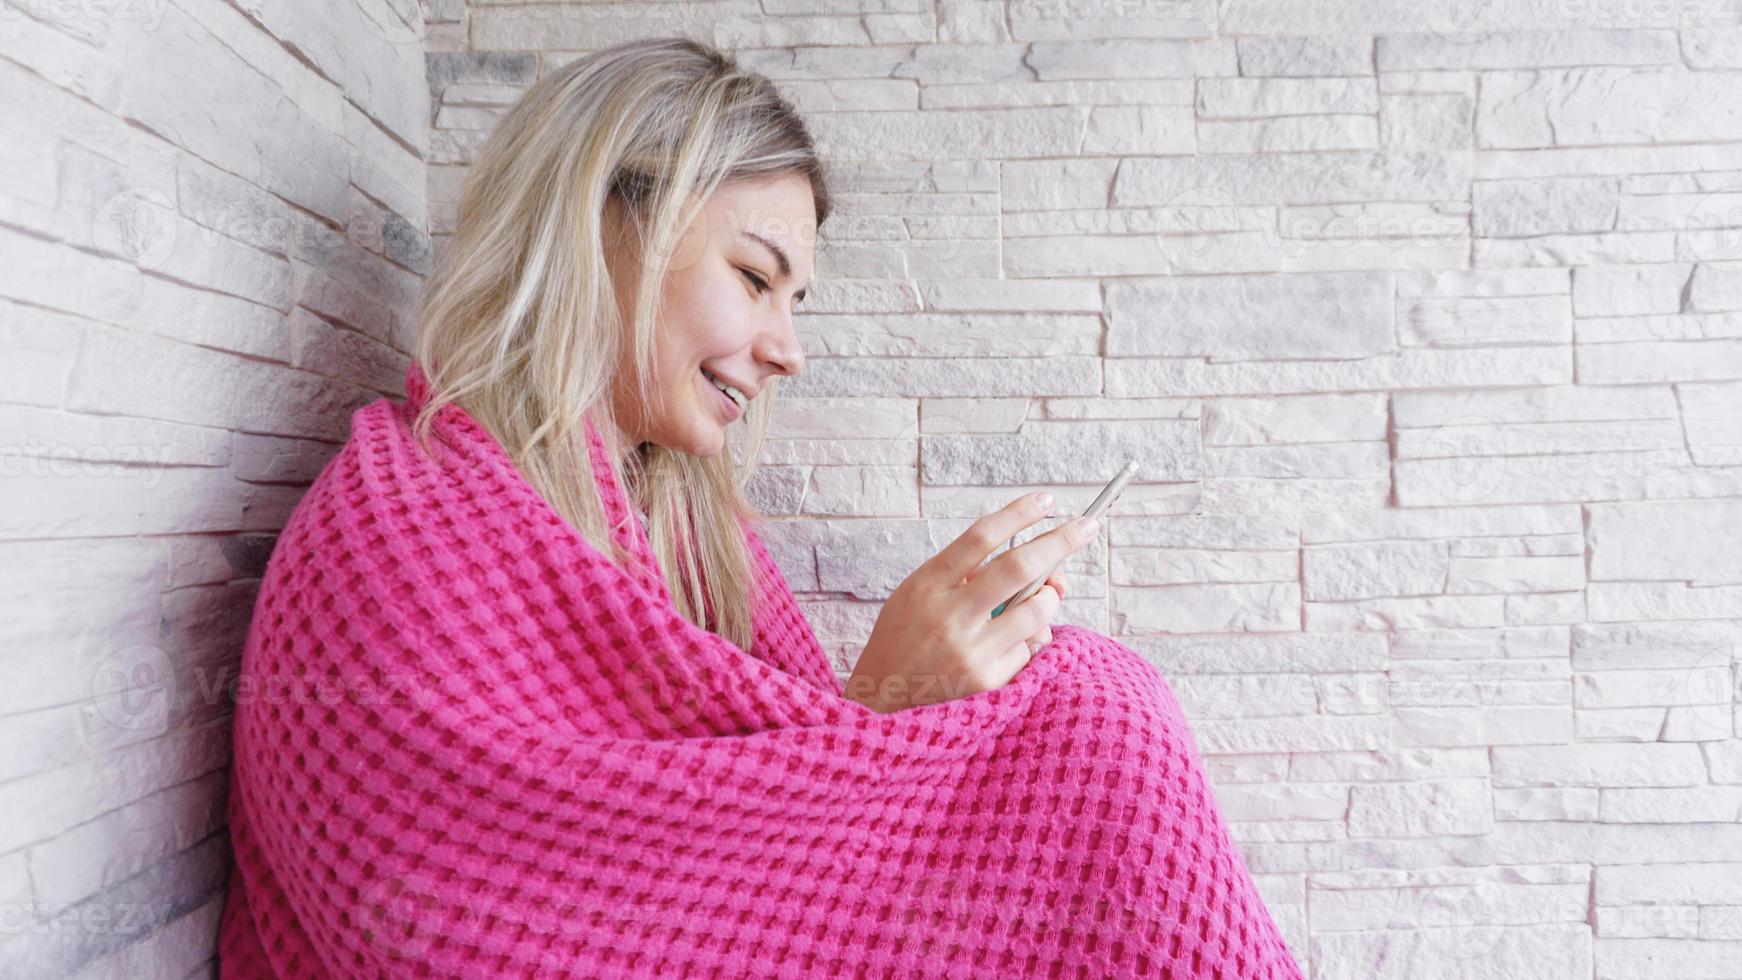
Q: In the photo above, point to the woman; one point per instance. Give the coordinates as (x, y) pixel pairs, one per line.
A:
(515, 731)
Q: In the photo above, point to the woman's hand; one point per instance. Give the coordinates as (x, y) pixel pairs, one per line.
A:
(1044, 635)
(935, 639)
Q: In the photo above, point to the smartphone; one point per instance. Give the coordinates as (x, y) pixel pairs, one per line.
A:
(1109, 493)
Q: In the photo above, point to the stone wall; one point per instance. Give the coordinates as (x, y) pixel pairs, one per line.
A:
(1425, 321)
(214, 226)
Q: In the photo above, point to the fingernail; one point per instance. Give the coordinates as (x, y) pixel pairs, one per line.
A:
(1086, 529)
(1044, 499)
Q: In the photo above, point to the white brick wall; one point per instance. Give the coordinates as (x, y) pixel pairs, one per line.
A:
(1425, 319)
(1431, 344)
(212, 229)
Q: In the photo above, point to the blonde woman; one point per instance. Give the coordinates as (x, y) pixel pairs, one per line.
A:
(546, 706)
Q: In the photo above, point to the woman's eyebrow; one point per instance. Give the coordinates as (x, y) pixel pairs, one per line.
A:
(779, 258)
(779, 253)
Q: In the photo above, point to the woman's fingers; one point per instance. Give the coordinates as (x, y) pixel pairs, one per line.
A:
(972, 546)
(1016, 624)
(1011, 571)
(1056, 579)
(1011, 662)
(1042, 638)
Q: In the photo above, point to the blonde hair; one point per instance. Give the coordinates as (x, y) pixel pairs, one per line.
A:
(520, 324)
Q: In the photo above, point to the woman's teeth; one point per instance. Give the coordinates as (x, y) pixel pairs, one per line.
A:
(731, 392)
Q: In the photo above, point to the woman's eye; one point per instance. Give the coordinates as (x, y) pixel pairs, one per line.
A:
(755, 280)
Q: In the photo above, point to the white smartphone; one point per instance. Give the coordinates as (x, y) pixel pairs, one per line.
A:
(1109, 493)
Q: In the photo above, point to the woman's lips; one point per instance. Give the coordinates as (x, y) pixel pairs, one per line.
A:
(731, 407)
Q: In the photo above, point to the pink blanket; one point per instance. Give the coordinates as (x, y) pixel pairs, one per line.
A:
(468, 745)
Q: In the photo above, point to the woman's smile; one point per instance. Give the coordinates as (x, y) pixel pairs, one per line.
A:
(729, 405)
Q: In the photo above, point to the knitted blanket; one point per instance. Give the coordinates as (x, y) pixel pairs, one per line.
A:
(467, 745)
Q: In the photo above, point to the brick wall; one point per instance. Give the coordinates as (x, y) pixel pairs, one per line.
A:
(213, 227)
(1430, 344)
(1425, 320)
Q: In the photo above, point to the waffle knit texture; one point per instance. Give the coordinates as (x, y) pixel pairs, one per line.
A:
(468, 745)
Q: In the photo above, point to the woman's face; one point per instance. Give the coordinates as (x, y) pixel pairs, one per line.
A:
(727, 311)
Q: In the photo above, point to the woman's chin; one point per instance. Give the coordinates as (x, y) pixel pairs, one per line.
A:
(707, 439)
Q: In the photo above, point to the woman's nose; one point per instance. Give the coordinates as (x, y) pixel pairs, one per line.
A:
(779, 346)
